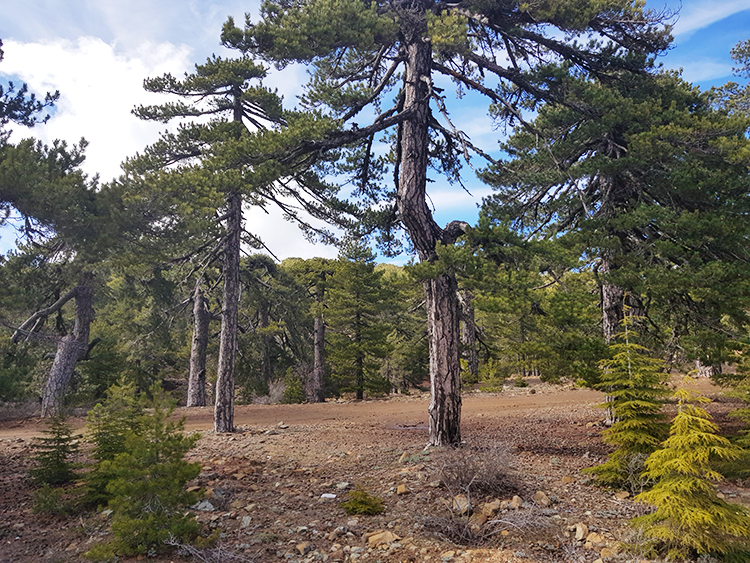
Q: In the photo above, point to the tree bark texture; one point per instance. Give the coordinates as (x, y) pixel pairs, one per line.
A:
(224, 405)
(266, 367)
(71, 348)
(315, 392)
(440, 293)
(196, 394)
(468, 333)
(445, 369)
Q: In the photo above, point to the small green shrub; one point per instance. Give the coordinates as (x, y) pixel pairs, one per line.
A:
(690, 517)
(362, 502)
(634, 382)
(294, 393)
(48, 500)
(519, 381)
(53, 453)
(146, 485)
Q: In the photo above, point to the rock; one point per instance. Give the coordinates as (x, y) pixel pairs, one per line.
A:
(404, 458)
(541, 499)
(606, 552)
(401, 489)
(505, 533)
(337, 555)
(283, 426)
(622, 495)
(245, 521)
(381, 538)
(567, 480)
(594, 539)
(477, 519)
(305, 547)
(516, 502)
(447, 555)
(204, 506)
(342, 485)
(461, 505)
(352, 523)
(489, 509)
(582, 530)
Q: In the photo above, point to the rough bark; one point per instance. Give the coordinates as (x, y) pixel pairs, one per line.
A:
(468, 333)
(440, 293)
(613, 312)
(224, 405)
(71, 348)
(315, 392)
(196, 394)
(445, 378)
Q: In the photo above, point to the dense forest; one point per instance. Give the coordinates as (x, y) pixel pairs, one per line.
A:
(613, 252)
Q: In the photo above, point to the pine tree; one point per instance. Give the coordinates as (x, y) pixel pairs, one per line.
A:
(689, 516)
(147, 485)
(635, 381)
(53, 453)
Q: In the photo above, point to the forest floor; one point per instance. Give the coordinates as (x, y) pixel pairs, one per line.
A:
(264, 484)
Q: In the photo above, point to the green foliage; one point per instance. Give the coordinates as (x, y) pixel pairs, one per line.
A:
(109, 424)
(147, 481)
(362, 502)
(294, 393)
(53, 453)
(492, 375)
(689, 516)
(635, 384)
(48, 500)
(357, 329)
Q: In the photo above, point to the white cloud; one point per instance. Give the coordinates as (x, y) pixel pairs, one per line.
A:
(699, 14)
(98, 88)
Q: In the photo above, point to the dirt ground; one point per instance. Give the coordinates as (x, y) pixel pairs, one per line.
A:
(264, 484)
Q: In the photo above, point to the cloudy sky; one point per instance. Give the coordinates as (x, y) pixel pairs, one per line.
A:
(98, 53)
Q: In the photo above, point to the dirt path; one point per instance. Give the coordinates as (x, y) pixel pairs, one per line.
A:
(406, 411)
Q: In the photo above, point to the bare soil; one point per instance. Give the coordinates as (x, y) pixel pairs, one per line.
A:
(264, 484)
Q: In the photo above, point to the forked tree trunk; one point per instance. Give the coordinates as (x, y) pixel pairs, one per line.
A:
(71, 348)
(468, 333)
(315, 392)
(224, 406)
(196, 394)
(440, 293)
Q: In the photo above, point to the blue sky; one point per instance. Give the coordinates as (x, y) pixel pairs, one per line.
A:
(98, 53)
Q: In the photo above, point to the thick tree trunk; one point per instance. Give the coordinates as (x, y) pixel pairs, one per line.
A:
(315, 392)
(445, 369)
(468, 333)
(196, 394)
(71, 348)
(440, 293)
(613, 312)
(224, 406)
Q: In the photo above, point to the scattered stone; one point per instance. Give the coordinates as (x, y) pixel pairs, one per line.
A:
(204, 505)
(582, 530)
(433, 484)
(245, 523)
(477, 520)
(566, 480)
(342, 485)
(337, 555)
(541, 499)
(305, 547)
(594, 539)
(404, 457)
(328, 495)
(381, 538)
(622, 495)
(401, 489)
(447, 555)
(516, 502)
(283, 426)
(606, 552)
(505, 533)
(461, 505)
(489, 509)
(352, 523)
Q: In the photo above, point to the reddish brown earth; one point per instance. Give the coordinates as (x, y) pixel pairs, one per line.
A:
(265, 483)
